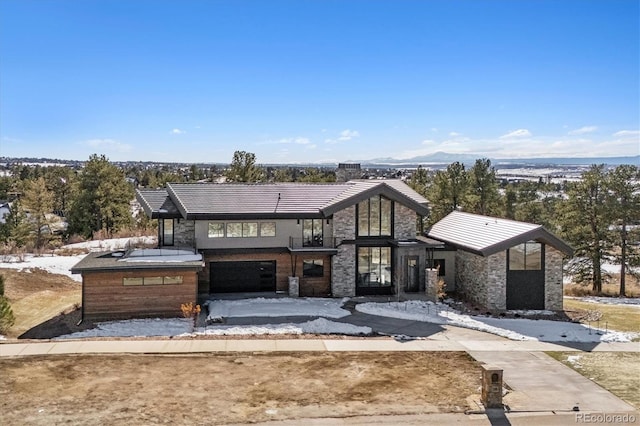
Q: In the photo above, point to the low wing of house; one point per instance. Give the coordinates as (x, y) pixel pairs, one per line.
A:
(503, 264)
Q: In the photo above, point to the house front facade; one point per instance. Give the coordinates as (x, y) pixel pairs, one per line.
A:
(343, 239)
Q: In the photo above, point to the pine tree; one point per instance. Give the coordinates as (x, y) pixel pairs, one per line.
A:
(586, 219)
(38, 201)
(482, 196)
(7, 319)
(447, 192)
(623, 186)
(102, 199)
(243, 168)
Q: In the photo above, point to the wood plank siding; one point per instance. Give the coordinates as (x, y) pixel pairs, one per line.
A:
(106, 297)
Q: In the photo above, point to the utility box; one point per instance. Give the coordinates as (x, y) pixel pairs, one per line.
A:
(491, 387)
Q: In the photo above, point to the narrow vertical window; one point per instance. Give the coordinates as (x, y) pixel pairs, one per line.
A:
(167, 232)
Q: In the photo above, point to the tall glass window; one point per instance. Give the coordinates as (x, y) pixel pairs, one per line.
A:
(167, 232)
(375, 217)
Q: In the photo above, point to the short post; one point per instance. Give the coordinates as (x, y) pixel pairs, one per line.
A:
(294, 286)
(431, 285)
(491, 387)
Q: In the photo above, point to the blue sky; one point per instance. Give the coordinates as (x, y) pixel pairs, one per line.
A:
(318, 81)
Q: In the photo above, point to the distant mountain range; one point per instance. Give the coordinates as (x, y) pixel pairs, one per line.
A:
(447, 158)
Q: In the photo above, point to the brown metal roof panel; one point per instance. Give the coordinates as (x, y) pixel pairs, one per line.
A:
(488, 235)
(252, 198)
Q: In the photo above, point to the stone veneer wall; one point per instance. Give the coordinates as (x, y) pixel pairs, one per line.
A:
(343, 268)
(553, 290)
(404, 222)
(184, 233)
(483, 280)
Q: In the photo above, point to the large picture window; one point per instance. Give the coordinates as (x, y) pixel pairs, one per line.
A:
(375, 217)
(374, 266)
(526, 257)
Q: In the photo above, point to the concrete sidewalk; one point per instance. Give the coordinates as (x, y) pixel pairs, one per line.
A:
(194, 345)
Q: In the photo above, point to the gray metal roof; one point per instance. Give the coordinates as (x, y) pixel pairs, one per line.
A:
(156, 203)
(486, 235)
(273, 200)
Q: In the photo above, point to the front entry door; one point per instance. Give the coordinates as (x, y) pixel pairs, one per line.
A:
(413, 281)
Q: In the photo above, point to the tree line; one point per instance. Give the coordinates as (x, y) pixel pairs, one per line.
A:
(599, 215)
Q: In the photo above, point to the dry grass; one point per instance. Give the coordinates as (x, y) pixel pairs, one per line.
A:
(614, 317)
(233, 388)
(37, 296)
(618, 372)
(610, 288)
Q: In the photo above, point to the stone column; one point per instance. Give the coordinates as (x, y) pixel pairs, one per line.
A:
(294, 286)
(431, 284)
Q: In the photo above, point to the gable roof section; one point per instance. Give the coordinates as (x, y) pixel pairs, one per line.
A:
(484, 235)
(393, 189)
(156, 203)
(274, 200)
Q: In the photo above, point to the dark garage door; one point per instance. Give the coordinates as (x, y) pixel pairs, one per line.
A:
(242, 277)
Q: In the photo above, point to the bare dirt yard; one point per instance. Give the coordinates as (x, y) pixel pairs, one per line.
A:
(232, 388)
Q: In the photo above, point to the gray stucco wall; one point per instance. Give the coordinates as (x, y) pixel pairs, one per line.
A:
(343, 268)
(553, 291)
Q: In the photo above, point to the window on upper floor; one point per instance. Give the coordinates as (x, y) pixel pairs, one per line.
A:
(375, 217)
(312, 232)
(526, 257)
(268, 229)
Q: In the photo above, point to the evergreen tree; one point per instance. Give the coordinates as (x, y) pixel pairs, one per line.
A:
(586, 219)
(16, 228)
(38, 201)
(243, 168)
(623, 185)
(419, 181)
(7, 319)
(447, 192)
(102, 199)
(482, 195)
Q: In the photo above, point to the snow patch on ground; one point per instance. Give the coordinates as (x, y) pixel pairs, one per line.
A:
(136, 328)
(275, 307)
(111, 244)
(317, 326)
(627, 301)
(514, 329)
(52, 264)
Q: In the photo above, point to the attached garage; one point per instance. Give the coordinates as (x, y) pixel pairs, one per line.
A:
(242, 276)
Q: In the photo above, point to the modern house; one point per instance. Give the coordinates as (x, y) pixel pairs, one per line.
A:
(355, 238)
(500, 264)
(340, 239)
(337, 239)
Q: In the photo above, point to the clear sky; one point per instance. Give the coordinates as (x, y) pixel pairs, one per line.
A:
(318, 81)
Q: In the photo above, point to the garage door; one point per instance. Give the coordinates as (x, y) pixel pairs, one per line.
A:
(242, 277)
